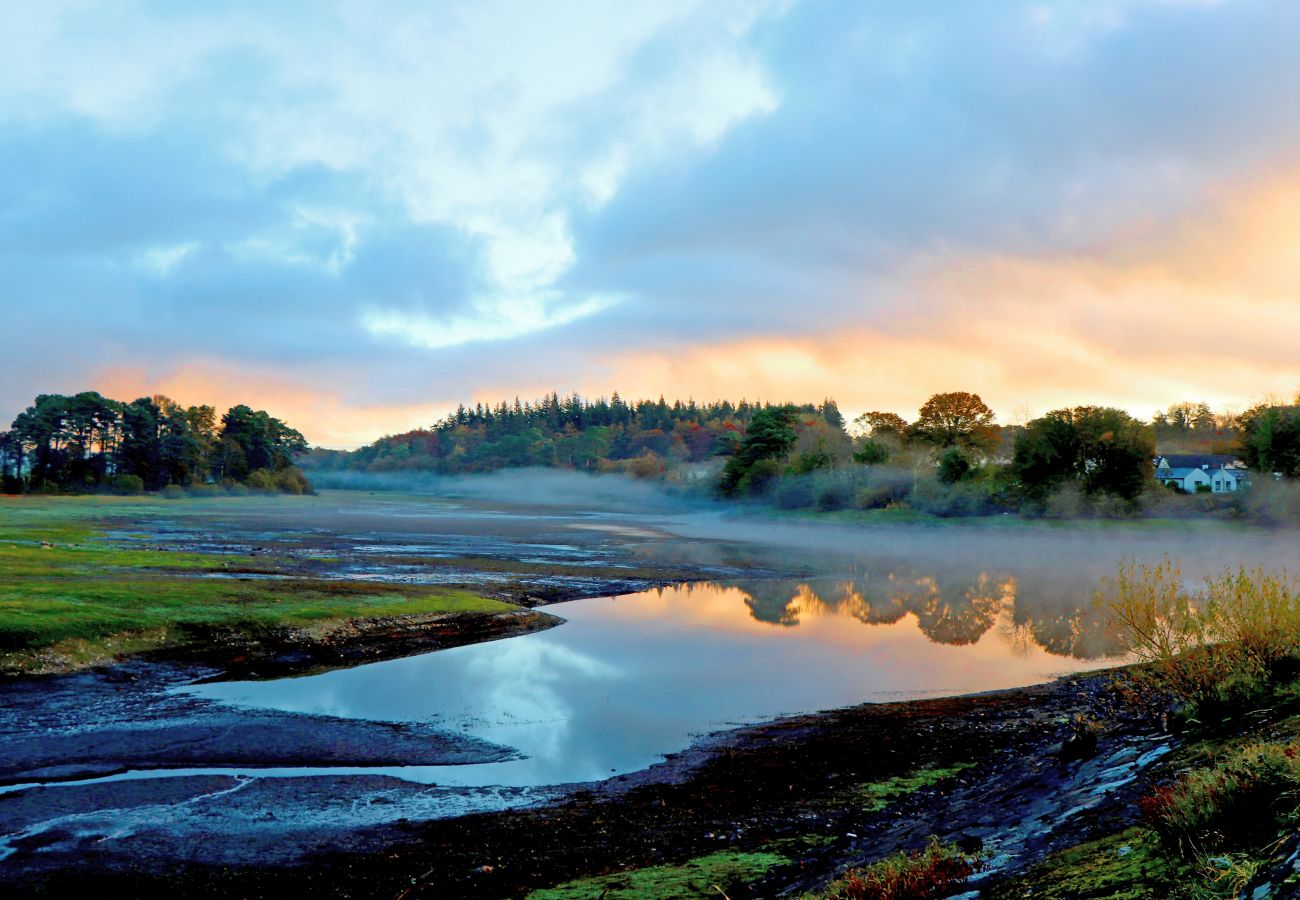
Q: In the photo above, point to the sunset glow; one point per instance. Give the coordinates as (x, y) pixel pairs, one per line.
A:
(784, 201)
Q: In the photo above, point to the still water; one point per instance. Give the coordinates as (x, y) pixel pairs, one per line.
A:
(628, 679)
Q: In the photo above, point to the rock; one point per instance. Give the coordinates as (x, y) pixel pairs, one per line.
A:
(1079, 746)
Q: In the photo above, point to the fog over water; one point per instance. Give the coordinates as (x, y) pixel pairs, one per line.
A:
(829, 614)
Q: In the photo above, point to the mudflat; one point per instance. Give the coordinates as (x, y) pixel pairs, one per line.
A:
(115, 772)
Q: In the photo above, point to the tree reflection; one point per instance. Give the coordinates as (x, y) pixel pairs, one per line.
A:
(1033, 609)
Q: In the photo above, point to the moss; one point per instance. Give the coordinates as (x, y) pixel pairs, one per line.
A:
(68, 594)
(799, 844)
(1126, 866)
(704, 876)
(877, 795)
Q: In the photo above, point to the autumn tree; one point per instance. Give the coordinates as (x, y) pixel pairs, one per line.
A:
(956, 419)
(882, 424)
(880, 436)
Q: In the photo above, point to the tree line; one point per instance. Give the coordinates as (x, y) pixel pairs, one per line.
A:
(642, 437)
(953, 458)
(90, 442)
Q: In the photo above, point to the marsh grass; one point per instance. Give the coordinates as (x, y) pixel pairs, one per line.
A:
(1238, 802)
(936, 871)
(706, 876)
(1233, 639)
(68, 597)
(1225, 657)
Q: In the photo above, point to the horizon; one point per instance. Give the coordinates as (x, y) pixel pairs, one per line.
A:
(1021, 415)
(357, 222)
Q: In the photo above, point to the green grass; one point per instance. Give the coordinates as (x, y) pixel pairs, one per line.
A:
(704, 876)
(875, 796)
(1130, 865)
(67, 592)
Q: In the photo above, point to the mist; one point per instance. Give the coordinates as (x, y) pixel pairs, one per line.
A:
(528, 487)
(706, 531)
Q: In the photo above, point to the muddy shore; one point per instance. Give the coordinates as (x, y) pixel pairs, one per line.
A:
(1025, 793)
(1024, 787)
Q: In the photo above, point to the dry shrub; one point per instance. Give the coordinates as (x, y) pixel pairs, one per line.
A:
(935, 871)
(1223, 642)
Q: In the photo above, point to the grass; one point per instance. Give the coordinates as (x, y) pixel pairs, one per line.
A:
(715, 875)
(936, 871)
(1207, 649)
(1245, 797)
(69, 594)
(1127, 866)
(1220, 662)
(875, 796)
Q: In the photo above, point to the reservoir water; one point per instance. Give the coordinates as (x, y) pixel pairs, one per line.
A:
(626, 680)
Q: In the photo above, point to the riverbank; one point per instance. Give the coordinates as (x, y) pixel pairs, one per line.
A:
(1043, 786)
(276, 586)
(803, 796)
(1047, 776)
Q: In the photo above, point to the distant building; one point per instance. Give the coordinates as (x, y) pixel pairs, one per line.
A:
(1215, 473)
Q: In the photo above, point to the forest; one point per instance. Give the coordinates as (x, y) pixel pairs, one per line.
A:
(88, 442)
(952, 459)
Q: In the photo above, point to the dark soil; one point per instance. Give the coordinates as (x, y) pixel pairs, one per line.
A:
(743, 789)
(1035, 784)
(301, 651)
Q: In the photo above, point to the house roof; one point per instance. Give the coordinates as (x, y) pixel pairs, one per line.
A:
(1198, 460)
(1182, 472)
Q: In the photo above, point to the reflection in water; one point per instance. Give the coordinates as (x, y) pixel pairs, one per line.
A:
(627, 679)
(958, 611)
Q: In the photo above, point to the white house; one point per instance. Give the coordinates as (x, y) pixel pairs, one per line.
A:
(1201, 473)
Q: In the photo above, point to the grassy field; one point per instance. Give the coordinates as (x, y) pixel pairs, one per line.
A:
(68, 596)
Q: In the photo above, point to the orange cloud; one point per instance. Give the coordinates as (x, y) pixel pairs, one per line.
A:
(323, 416)
(1208, 310)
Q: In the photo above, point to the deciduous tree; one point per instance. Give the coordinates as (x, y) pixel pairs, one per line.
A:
(956, 419)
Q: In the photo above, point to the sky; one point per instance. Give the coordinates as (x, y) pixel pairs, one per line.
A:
(357, 215)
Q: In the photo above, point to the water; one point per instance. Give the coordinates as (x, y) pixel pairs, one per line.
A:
(629, 679)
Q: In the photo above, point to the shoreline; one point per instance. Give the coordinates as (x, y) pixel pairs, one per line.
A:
(770, 784)
(986, 769)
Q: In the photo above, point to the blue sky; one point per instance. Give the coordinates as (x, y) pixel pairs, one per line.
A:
(358, 215)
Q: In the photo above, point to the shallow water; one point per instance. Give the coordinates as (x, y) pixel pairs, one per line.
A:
(626, 680)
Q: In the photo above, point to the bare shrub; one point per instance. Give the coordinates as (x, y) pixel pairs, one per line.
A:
(1226, 640)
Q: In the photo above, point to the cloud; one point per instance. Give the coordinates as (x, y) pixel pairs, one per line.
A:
(1204, 311)
(333, 420)
(400, 206)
